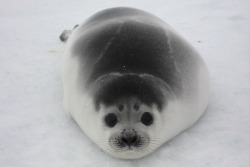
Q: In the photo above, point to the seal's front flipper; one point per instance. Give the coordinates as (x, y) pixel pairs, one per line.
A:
(66, 34)
(75, 26)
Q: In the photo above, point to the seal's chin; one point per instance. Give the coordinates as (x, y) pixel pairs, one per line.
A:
(130, 153)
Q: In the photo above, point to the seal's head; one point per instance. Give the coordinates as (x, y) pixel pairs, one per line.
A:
(129, 109)
(129, 128)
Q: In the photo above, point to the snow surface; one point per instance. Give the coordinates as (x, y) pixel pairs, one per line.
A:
(34, 130)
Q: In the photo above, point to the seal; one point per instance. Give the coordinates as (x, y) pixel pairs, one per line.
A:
(131, 82)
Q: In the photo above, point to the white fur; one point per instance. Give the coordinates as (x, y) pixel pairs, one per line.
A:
(177, 116)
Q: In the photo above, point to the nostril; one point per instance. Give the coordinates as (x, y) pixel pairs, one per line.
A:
(124, 140)
(128, 141)
(134, 139)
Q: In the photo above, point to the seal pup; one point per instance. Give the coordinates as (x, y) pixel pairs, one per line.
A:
(131, 82)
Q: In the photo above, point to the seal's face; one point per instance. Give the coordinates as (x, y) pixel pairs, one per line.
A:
(128, 127)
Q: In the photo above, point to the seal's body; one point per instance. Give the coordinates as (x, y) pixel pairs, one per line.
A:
(131, 82)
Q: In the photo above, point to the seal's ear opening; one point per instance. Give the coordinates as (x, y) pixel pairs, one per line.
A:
(148, 89)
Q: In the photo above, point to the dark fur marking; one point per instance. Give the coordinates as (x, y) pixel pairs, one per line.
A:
(129, 86)
(138, 48)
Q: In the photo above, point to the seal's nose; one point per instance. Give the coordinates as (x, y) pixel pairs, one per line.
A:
(129, 138)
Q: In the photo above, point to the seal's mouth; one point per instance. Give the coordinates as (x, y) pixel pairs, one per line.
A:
(128, 144)
(130, 152)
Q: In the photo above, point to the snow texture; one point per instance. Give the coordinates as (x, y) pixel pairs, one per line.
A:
(35, 131)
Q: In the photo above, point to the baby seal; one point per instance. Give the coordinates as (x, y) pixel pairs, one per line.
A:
(131, 82)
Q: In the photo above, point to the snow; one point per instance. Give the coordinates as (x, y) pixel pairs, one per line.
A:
(34, 130)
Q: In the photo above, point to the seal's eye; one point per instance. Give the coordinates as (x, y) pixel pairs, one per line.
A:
(147, 118)
(111, 120)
